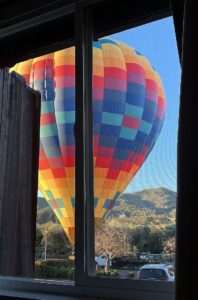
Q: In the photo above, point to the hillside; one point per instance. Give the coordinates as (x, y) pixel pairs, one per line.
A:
(41, 203)
(151, 205)
(158, 201)
(44, 212)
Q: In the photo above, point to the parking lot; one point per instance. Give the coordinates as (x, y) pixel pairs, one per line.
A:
(123, 274)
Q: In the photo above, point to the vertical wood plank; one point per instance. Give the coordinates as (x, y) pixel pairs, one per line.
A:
(19, 152)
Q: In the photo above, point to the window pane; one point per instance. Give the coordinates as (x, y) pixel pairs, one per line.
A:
(136, 78)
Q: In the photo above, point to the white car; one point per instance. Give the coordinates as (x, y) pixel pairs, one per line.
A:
(100, 261)
(165, 272)
(144, 256)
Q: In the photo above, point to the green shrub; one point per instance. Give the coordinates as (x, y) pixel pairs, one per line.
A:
(51, 272)
(110, 273)
(131, 274)
(52, 269)
(58, 263)
(37, 271)
(71, 273)
(63, 273)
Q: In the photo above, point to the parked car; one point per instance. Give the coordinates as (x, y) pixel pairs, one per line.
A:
(144, 256)
(154, 258)
(165, 272)
(100, 261)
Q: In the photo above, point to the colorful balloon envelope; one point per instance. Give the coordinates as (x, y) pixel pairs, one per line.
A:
(128, 113)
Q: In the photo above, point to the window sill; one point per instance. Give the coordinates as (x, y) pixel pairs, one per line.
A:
(48, 290)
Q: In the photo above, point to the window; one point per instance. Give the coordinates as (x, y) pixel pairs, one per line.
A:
(84, 247)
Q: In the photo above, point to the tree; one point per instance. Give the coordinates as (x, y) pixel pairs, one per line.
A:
(45, 215)
(44, 228)
(147, 239)
(39, 236)
(169, 245)
(58, 241)
(111, 243)
(52, 238)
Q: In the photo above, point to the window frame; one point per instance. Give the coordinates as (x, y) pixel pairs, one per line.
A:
(85, 283)
(85, 224)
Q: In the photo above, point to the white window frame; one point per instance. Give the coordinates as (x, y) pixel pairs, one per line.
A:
(85, 282)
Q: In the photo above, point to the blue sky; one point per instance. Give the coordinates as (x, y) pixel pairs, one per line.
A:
(157, 42)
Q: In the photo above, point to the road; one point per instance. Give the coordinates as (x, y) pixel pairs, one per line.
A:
(125, 273)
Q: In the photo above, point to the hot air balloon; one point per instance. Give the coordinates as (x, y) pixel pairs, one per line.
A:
(128, 113)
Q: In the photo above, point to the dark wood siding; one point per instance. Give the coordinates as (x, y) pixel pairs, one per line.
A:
(19, 149)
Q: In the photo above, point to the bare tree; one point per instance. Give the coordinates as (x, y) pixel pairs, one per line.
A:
(169, 245)
(44, 228)
(52, 238)
(111, 243)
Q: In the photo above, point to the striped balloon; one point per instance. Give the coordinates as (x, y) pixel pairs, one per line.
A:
(128, 113)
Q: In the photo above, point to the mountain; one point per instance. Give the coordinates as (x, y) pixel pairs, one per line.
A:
(150, 205)
(44, 212)
(159, 203)
(41, 203)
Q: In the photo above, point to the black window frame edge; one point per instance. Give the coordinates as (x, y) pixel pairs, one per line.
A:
(85, 283)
